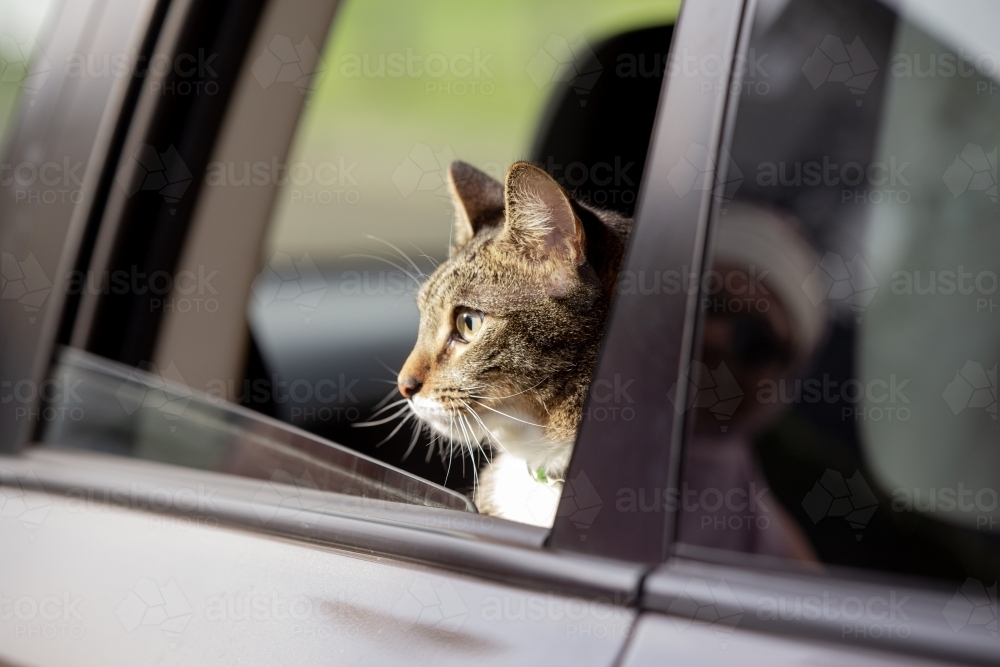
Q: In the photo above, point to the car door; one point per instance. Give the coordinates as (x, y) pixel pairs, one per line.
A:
(147, 518)
(143, 559)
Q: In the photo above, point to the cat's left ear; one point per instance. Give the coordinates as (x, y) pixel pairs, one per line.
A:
(478, 201)
(540, 216)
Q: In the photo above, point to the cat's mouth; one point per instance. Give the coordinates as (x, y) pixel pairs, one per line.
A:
(502, 426)
(458, 422)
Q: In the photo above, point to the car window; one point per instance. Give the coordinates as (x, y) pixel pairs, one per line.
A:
(102, 406)
(845, 401)
(21, 21)
(365, 212)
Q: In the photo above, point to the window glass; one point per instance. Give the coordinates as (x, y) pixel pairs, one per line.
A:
(845, 402)
(20, 24)
(133, 412)
(403, 90)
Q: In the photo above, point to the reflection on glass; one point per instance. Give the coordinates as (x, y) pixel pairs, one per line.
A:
(858, 384)
(103, 406)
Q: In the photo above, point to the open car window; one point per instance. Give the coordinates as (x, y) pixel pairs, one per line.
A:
(362, 216)
(365, 213)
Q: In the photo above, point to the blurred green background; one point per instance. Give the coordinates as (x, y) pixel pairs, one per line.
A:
(20, 23)
(390, 137)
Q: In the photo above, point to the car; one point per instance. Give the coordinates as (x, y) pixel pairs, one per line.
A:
(213, 217)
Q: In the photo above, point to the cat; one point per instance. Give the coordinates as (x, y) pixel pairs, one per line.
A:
(510, 326)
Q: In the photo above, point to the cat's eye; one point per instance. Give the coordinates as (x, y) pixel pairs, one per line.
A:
(468, 322)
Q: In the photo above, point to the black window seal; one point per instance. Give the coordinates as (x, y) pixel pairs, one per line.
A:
(650, 339)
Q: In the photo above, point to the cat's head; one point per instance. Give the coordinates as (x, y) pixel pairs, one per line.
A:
(511, 322)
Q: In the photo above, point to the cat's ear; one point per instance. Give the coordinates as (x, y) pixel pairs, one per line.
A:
(540, 216)
(478, 201)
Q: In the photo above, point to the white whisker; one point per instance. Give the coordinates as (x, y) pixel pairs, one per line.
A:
(382, 421)
(389, 262)
(396, 430)
(388, 407)
(500, 398)
(403, 254)
(504, 414)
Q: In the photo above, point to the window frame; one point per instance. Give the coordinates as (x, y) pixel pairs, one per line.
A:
(650, 341)
(81, 120)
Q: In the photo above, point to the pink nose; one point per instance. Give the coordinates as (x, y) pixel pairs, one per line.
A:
(408, 386)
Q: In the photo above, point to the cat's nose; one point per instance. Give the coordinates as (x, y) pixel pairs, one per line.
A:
(408, 386)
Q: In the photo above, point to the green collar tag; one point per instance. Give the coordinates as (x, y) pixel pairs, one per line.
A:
(541, 476)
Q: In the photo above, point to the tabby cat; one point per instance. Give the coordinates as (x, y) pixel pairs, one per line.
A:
(509, 331)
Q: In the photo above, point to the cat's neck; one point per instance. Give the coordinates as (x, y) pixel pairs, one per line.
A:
(516, 434)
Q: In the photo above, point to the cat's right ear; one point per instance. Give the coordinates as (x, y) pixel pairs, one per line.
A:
(478, 201)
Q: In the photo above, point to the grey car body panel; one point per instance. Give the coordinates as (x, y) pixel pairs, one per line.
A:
(484, 546)
(129, 588)
(666, 640)
(892, 614)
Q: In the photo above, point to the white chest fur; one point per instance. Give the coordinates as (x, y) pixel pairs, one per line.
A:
(508, 490)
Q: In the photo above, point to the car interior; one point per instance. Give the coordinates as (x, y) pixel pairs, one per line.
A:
(241, 278)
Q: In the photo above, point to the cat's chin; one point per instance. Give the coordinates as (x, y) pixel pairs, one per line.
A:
(506, 429)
